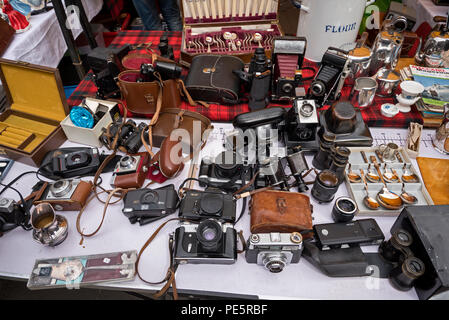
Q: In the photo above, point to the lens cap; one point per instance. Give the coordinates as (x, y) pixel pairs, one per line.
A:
(212, 204)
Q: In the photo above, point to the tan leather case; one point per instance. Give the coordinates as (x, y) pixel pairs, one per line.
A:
(435, 173)
(134, 180)
(280, 211)
(77, 201)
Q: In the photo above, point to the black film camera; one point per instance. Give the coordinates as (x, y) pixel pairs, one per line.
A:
(11, 215)
(129, 140)
(165, 49)
(288, 57)
(330, 78)
(147, 205)
(259, 79)
(211, 203)
(166, 70)
(227, 171)
(274, 250)
(301, 124)
(209, 242)
(106, 66)
(67, 163)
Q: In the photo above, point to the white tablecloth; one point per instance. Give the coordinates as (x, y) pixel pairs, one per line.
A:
(426, 10)
(43, 44)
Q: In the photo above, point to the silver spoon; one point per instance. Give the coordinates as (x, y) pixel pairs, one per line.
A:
(407, 197)
(369, 201)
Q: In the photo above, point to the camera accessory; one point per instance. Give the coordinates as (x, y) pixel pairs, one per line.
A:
(298, 165)
(274, 250)
(12, 215)
(271, 173)
(344, 209)
(302, 123)
(165, 49)
(396, 249)
(130, 171)
(288, 56)
(226, 171)
(325, 186)
(340, 157)
(258, 78)
(330, 77)
(200, 205)
(340, 235)
(5, 166)
(67, 163)
(82, 117)
(66, 195)
(167, 70)
(148, 205)
(323, 158)
(403, 276)
(129, 140)
(209, 242)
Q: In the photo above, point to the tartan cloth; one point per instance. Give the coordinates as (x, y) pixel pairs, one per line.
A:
(371, 115)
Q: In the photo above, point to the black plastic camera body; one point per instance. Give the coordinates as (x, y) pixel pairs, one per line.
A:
(71, 162)
(147, 205)
(227, 171)
(209, 242)
(11, 215)
(211, 203)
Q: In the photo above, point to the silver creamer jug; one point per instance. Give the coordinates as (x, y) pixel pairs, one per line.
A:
(440, 139)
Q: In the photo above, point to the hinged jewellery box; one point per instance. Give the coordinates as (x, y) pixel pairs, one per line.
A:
(228, 27)
(29, 127)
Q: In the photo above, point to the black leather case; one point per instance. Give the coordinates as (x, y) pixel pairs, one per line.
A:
(211, 79)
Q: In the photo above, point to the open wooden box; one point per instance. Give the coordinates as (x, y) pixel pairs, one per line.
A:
(241, 18)
(29, 127)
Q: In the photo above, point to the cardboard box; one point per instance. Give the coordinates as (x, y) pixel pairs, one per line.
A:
(29, 127)
(90, 136)
(243, 18)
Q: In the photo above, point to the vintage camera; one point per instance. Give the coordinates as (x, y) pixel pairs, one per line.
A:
(328, 82)
(258, 79)
(130, 171)
(12, 215)
(106, 66)
(147, 205)
(227, 171)
(302, 123)
(272, 173)
(211, 203)
(70, 162)
(288, 56)
(166, 70)
(274, 250)
(66, 195)
(209, 242)
(129, 140)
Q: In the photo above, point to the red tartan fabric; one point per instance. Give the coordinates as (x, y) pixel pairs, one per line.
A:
(371, 115)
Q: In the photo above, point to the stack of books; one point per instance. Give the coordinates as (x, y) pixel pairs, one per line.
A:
(436, 91)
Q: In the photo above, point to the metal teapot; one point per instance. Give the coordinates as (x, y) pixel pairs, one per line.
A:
(437, 44)
(440, 139)
(388, 44)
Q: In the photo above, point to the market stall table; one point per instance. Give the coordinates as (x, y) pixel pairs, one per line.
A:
(18, 250)
(371, 115)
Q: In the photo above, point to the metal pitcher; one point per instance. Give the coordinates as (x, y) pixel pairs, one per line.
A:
(436, 45)
(49, 228)
(440, 139)
(388, 44)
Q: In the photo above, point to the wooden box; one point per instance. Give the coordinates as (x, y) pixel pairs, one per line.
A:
(29, 127)
(207, 21)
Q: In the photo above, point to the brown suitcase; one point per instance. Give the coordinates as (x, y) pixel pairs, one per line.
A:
(30, 127)
(280, 211)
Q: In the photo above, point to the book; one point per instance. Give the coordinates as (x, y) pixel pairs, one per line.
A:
(436, 86)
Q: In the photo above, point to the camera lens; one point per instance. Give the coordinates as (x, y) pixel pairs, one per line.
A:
(127, 161)
(404, 276)
(209, 234)
(211, 204)
(287, 88)
(228, 164)
(275, 263)
(306, 110)
(344, 209)
(61, 188)
(317, 88)
(150, 197)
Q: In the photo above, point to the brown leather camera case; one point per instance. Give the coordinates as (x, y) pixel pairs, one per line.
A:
(6, 34)
(136, 179)
(280, 211)
(141, 97)
(76, 202)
